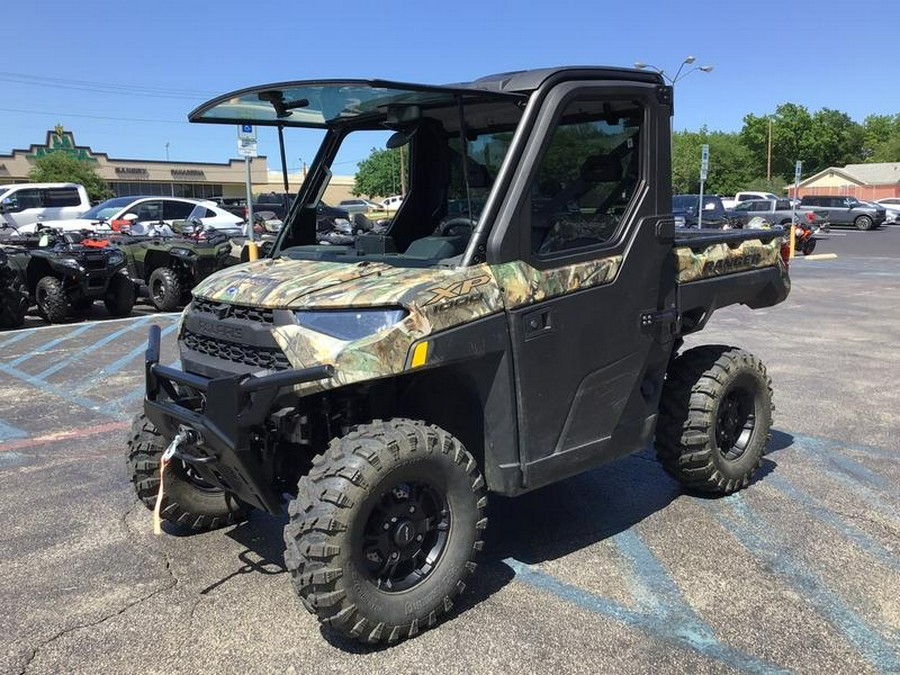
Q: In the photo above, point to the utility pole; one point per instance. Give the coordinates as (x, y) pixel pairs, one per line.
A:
(403, 170)
(769, 154)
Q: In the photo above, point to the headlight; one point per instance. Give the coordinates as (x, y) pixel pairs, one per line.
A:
(180, 252)
(116, 258)
(351, 324)
(69, 262)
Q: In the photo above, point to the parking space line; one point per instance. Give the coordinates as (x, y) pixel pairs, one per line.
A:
(61, 392)
(25, 332)
(747, 527)
(139, 391)
(15, 338)
(92, 347)
(661, 626)
(821, 511)
(50, 345)
(118, 364)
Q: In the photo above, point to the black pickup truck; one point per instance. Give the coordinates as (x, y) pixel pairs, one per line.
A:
(390, 385)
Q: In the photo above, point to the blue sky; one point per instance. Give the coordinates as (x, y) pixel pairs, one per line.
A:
(150, 63)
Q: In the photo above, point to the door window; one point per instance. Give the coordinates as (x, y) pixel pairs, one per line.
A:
(587, 176)
(147, 211)
(58, 197)
(26, 199)
(177, 210)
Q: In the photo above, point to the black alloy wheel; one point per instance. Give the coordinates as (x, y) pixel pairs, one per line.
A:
(735, 421)
(405, 535)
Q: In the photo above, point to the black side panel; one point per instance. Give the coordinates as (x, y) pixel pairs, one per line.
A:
(595, 372)
(478, 353)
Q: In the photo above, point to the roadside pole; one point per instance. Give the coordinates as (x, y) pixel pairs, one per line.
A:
(704, 168)
(247, 148)
(798, 167)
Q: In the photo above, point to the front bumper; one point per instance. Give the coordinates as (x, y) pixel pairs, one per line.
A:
(222, 413)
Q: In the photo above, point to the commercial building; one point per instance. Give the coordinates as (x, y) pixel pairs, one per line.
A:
(153, 177)
(863, 181)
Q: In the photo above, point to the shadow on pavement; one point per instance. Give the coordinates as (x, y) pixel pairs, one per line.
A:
(540, 526)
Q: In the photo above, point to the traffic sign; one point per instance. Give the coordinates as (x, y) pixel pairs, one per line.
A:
(246, 148)
(704, 161)
(246, 132)
(798, 168)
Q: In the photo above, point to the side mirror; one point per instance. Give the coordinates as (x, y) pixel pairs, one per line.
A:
(7, 205)
(130, 217)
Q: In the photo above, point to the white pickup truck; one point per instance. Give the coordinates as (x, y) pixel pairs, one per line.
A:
(744, 196)
(27, 203)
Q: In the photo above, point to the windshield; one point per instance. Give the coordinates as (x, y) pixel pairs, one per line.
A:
(318, 104)
(689, 202)
(443, 159)
(107, 209)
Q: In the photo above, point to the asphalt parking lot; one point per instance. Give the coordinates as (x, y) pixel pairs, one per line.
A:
(616, 570)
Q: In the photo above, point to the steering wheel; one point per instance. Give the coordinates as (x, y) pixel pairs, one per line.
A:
(446, 227)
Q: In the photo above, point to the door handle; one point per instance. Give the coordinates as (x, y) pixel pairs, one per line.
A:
(537, 323)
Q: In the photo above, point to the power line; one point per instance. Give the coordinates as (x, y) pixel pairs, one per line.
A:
(102, 87)
(92, 117)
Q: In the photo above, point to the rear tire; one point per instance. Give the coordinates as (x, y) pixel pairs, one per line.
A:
(385, 528)
(187, 499)
(165, 289)
(864, 223)
(715, 418)
(51, 300)
(120, 296)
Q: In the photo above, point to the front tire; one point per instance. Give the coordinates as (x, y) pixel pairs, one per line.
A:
(51, 299)
(808, 246)
(385, 528)
(187, 499)
(13, 305)
(165, 289)
(120, 296)
(715, 418)
(864, 223)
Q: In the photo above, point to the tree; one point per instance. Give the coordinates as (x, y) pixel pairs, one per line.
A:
(881, 138)
(729, 162)
(378, 175)
(60, 167)
(833, 139)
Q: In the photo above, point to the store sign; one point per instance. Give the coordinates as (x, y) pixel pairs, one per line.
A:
(60, 140)
(132, 171)
(188, 173)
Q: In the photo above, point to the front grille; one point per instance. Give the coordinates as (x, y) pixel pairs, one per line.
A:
(94, 262)
(223, 310)
(269, 358)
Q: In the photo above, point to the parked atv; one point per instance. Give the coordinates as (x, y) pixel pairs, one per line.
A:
(171, 266)
(13, 294)
(61, 273)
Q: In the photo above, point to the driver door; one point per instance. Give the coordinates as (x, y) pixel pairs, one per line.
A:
(586, 308)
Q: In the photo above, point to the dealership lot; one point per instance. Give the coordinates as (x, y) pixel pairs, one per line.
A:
(613, 571)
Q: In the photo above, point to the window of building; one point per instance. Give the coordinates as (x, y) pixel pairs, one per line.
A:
(587, 176)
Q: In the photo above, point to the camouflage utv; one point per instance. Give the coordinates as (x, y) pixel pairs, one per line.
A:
(520, 321)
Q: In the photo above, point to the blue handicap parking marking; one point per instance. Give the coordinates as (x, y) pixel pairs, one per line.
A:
(8, 432)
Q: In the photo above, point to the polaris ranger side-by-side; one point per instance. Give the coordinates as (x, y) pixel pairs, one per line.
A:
(519, 322)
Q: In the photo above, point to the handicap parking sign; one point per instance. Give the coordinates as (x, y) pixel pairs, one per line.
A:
(246, 132)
